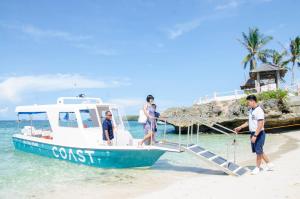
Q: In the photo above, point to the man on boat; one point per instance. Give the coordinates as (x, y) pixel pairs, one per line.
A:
(256, 126)
(108, 129)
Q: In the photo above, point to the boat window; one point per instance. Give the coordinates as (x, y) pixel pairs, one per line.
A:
(67, 119)
(89, 118)
(101, 111)
(115, 113)
(35, 124)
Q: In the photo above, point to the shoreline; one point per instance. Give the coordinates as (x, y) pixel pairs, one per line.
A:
(285, 179)
(164, 182)
(167, 177)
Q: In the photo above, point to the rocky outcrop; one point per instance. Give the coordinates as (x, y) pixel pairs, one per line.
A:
(279, 114)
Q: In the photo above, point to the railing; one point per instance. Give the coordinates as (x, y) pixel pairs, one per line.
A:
(221, 96)
(62, 100)
(293, 89)
(190, 122)
(238, 94)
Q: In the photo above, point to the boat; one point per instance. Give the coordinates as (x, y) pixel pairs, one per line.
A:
(74, 134)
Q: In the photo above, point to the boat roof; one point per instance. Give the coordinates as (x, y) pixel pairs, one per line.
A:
(76, 103)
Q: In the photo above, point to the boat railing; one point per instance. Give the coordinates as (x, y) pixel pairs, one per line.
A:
(63, 100)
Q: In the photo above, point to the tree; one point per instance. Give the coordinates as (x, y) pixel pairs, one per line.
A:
(254, 41)
(274, 57)
(294, 52)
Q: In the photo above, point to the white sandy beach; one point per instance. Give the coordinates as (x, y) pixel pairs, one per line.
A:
(283, 182)
(198, 182)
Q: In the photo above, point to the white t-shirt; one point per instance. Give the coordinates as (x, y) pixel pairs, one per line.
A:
(255, 115)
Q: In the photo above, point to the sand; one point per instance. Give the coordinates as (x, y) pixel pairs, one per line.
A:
(192, 181)
(283, 182)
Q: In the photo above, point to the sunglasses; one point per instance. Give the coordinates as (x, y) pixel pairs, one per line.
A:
(108, 115)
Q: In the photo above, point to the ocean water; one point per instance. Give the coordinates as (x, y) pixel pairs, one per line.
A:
(24, 175)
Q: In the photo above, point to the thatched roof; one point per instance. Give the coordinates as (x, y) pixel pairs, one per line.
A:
(267, 71)
(250, 83)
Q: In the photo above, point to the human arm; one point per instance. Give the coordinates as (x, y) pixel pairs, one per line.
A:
(239, 128)
(260, 125)
(106, 132)
(145, 111)
(107, 137)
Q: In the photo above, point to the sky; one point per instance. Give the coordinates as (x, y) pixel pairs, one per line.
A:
(121, 51)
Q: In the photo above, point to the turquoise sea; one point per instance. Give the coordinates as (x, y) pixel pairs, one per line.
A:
(24, 175)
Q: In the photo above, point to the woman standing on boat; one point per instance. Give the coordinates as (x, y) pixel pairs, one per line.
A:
(149, 126)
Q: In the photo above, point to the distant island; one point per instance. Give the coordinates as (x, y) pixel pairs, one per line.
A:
(131, 117)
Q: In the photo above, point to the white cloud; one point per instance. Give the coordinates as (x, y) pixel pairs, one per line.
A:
(228, 5)
(15, 87)
(3, 110)
(39, 33)
(126, 103)
(96, 50)
(74, 40)
(181, 28)
(233, 4)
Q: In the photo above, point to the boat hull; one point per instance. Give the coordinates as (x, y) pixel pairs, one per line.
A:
(102, 158)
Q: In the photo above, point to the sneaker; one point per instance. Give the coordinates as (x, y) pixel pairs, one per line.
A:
(269, 167)
(255, 171)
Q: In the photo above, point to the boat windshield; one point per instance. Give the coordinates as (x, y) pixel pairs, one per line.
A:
(89, 118)
(35, 124)
(117, 117)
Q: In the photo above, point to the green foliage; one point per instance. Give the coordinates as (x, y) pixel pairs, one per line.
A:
(131, 117)
(279, 94)
(276, 94)
(243, 101)
(294, 55)
(253, 41)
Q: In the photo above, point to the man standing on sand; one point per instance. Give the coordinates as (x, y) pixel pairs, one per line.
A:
(256, 127)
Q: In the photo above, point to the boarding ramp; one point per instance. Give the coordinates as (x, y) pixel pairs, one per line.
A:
(216, 160)
(224, 164)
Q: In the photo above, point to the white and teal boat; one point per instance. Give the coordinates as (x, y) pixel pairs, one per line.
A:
(74, 134)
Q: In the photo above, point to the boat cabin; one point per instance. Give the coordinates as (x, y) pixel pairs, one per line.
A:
(72, 121)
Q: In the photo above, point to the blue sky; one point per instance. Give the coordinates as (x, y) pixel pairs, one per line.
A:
(123, 50)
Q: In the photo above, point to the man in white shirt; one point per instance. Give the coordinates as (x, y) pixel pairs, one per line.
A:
(256, 127)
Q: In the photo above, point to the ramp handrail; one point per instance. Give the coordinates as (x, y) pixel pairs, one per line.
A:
(190, 122)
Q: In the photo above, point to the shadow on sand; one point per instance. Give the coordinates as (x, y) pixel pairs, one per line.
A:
(167, 166)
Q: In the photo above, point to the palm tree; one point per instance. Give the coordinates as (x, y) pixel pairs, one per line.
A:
(294, 51)
(273, 57)
(254, 41)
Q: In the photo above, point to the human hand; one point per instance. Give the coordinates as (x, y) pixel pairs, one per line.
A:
(238, 129)
(253, 139)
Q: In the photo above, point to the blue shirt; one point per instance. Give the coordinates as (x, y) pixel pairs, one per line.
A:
(156, 114)
(107, 126)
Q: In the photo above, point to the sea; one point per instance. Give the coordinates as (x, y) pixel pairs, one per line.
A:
(25, 175)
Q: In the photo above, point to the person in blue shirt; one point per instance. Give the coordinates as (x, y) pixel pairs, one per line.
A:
(108, 129)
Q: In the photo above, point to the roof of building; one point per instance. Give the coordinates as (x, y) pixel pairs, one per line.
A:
(267, 71)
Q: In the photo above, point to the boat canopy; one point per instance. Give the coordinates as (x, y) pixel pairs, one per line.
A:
(30, 113)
